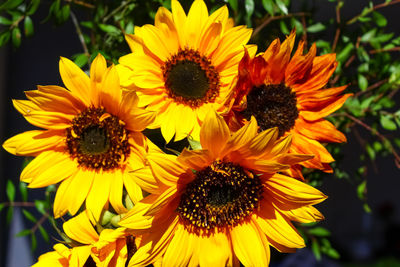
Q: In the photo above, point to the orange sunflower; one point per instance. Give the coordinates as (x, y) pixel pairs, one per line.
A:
(91, 142)
(287, 92)
(184, 65)
(223, 204)
(110, 248)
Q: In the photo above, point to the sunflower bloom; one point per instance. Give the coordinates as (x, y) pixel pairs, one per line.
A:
(184, 66)
(110, 248)
(223, 204)
(91, 142)
(287, 92)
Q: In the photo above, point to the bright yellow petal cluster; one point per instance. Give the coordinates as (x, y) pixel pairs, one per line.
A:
(197, 44)
(176, 235)
(110, 248)
(91, 140)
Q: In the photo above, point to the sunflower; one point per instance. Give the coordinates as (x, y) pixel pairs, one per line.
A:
(111, 248)
(91, 142)
(184, 65)
(288, 93)
(223, 204)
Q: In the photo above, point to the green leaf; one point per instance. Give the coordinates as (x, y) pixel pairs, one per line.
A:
(370, 151)
(28, 26)
(5, 21)
(4, 37)
(379, 19)
(283, 27)
(32, 7)
(317, 27)
(10, 189)
(109, 28)
(23, 190)
(87, 24)
(282, 6)
(16, 37)
(362, 189)
(81, 60)
(319, 231)
(33, 242)
(65, 10)
(40, 206)
(367, 208)
(44, 234)
(362, 82)
(387, 123)
(316, 250)
(249, 6)
(10, 212)
(331, 252)
(129, 29)
(368, 35)
(29, 216)
(268, 6)
(345, 53)
(2, 205)
(194, 144)
(234, 5)
(23, 233)
(11, 4)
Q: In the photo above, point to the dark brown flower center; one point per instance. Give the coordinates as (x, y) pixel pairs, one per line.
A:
(130, 246)
(190, 78)
(221, 195)
(273, 105)
(97, 140)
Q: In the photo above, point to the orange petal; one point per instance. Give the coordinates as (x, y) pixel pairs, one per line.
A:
(214, 133)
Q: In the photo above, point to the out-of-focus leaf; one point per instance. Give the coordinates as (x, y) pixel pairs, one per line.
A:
(368, 35)
(10, 212)
(33, 242)
(361, 189)
(317, 27)
(316, 250)
(44, 234)
(268, 6)
(23, 233)
(234, 5)
(81, 60)
(345, 53)
(29, 216)
(281, 5)
(16, 37)
(109, 28)
(33, 6)
(249, 6)
(129, 29)
(5, 21)
(11, 4)
(2, 205)
(319, 231)
(23, 190)
(28, 26)
(379, 19)
(362, 82)
(283, 27)
(10, 190)
(387, 123)
(40, 206)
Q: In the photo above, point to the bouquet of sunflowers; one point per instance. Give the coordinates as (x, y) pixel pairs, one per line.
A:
(252, 123)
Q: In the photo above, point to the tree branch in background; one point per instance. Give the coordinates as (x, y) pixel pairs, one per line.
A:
(270, 19)
(371, 9)
(79, 32)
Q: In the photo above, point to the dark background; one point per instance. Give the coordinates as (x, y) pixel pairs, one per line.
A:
(360, 238)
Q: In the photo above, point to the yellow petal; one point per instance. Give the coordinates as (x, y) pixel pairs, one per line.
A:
(116, 190)
(75, 80)
(195, 159)
(248, 245)
(98, 69)
(180, 248)
(80, 229)
(214, 133)
(31, 143)
(99, 193)
(52, 170)
(110, 91)
(197, 16)
(165, 168)
(218, 249)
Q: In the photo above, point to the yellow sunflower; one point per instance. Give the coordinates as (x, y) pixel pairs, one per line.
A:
(91, 142)
(288, 93)
(110, 248)
(223, 204)
(184, 65)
